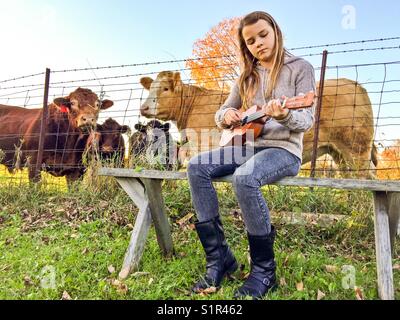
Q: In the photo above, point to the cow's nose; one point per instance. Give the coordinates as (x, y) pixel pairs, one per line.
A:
(106, 149)
(144, 109)
(88, 120)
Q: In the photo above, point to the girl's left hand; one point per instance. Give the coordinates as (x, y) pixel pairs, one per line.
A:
(275, 109)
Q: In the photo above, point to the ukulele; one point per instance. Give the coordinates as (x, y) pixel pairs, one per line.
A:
(251, 119)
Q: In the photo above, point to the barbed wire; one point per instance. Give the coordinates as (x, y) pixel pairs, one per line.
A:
(359, 65)
(120, 76)
(349, 51)
(345, 43)
(219, 57)
(141, 64)
(23, 77)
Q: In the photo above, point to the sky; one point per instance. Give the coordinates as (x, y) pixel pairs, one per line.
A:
(36, 34)
(57, 34)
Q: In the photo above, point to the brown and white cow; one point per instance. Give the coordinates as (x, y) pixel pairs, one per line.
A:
(69, 119)
(346, 125)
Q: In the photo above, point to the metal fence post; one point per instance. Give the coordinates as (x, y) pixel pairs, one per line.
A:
(43, 126)
(318, 113)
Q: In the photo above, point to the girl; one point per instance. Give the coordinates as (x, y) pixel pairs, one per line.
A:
(269, 72)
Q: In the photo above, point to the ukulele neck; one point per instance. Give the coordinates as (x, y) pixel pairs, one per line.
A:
(253, 117)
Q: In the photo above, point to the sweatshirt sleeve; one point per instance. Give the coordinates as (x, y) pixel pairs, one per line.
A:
(233, 102)
(302, 120)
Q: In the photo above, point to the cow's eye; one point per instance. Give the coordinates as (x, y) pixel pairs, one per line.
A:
(166, 89)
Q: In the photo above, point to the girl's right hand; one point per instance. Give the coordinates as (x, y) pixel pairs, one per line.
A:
(232, 118)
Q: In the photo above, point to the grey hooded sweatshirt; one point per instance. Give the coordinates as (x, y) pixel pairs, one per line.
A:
(297, 76)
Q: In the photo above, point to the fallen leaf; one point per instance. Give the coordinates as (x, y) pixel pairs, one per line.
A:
(365, 269)
(286, 261)
(25, 213)
(28, 281)
(46, 240)
(74, 236)
(244, 275)
(209, 290)
(85, 251)
(115, 282)
(359, 294)
(111, 269)
(300, 286)
(150, 281)
(103, 204)
(237, 214)
(331, 269)
(282, 282)
(320, 295)
(122, 288)
(185, 219)
(66, 296)
(396, 267)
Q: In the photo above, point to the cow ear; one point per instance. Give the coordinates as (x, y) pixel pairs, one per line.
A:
(62, 102)
(105, 104)
(165, 127)
(140, 127)
(177, 86)
(125, 129)
(146, 82)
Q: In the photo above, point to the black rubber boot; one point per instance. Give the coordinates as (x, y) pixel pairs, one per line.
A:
(220, 260)
(262, 278)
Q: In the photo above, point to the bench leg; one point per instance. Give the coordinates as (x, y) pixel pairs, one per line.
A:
(394, 216)
(382, 247)
(159, 216)
(142, 225)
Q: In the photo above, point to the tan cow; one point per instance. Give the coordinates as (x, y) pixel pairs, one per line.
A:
(346, 125)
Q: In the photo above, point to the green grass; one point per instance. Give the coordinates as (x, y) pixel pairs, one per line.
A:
(81, 233)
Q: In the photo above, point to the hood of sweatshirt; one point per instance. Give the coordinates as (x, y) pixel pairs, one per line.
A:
(288, 60)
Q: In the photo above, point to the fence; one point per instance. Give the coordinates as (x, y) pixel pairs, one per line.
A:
(356, 132)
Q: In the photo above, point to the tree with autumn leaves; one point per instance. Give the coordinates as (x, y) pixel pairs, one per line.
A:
(389, 162)
(215, 63)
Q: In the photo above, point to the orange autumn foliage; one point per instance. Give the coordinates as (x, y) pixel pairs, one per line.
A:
(389, 163)
(215, 63)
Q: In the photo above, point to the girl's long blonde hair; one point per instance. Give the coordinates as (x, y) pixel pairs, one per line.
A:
(250, 79)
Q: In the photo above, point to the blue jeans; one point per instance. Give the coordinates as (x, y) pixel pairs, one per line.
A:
(251, 169)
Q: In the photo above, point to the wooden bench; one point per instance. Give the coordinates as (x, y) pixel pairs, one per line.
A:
(144, 188)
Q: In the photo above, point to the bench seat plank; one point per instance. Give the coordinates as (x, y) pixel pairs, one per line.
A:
(347, 184)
